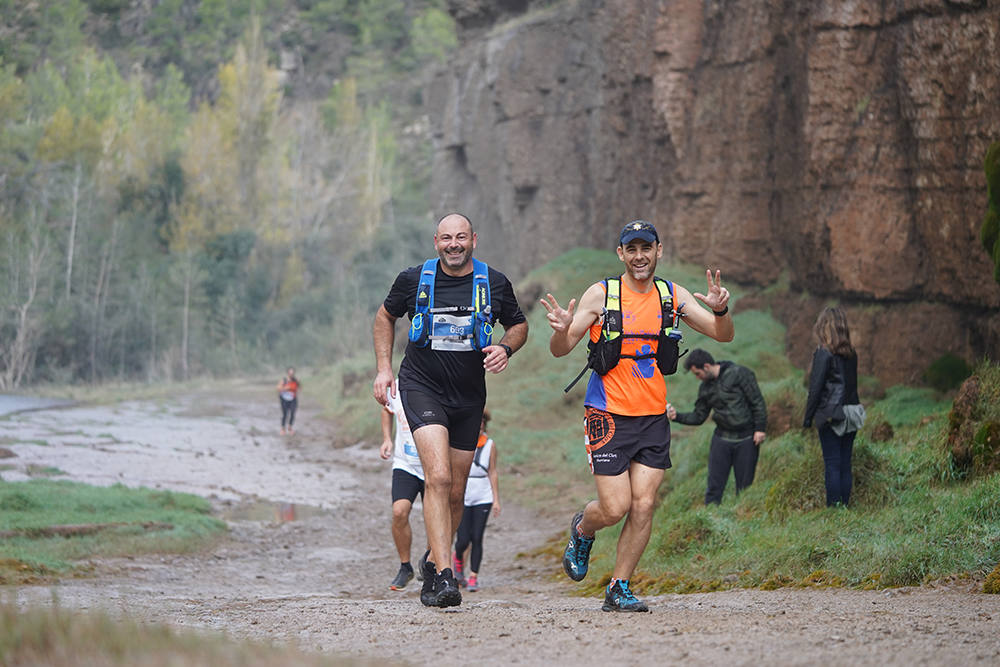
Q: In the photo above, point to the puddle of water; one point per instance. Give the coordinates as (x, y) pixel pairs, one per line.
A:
(267, 510)
(9, 404)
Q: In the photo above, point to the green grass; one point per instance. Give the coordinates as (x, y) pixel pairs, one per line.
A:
(910, 520)
(58, 637)
(904, 527)
(30, 507)
(35, 470)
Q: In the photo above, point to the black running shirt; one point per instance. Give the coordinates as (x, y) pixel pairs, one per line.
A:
(458, 379)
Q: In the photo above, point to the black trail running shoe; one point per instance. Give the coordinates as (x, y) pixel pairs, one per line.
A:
(420, 565)
(618, 597)
(576, 558)
(402, 578)
(446, 593)
(427, 592)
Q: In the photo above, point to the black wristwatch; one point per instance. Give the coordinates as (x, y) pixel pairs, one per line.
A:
(507, 349)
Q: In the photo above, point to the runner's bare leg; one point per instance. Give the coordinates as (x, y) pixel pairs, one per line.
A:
(461, 462)
(402, 534)
(614, 497)
(635, 533)
(445, 473)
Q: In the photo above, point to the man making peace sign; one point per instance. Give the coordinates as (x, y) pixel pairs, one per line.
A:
(633, 325)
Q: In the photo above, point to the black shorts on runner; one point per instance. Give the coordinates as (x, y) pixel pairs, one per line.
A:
(406, 486)
(614, 441)
(463, 423)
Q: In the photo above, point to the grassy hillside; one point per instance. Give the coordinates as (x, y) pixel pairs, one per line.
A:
(911, 517)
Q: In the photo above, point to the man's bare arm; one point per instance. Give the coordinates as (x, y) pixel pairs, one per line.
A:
(706, 321)
(570, 324)
(496, 358)
(383, 335)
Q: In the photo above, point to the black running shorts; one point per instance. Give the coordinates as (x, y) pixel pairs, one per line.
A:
(614, 441)
(406, 486)
(463, 423)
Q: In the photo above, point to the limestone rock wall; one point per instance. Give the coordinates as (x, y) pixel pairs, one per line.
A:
(835, 147)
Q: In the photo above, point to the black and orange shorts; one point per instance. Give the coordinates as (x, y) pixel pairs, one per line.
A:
(614, 441)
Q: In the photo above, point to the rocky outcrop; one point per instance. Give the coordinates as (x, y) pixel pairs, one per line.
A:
(835, 147)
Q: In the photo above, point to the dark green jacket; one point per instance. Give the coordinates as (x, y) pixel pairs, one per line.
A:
(735, 401)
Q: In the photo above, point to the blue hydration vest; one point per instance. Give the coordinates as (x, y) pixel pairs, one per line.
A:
(453, 328)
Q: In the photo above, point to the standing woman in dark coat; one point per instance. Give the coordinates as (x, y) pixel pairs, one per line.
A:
(833, 383)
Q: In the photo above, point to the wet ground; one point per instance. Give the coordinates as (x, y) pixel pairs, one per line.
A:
(10, 403)
(309, 558)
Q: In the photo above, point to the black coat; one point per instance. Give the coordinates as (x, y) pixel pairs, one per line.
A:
(833, 383)
(733, 398)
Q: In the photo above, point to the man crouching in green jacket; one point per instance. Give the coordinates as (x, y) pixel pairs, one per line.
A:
(740, 416)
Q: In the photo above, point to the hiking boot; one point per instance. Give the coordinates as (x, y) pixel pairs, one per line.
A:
(420, 565)
(427, 593)
(402, 578)
(618, 597)
(446, 593)
(473, 584)
(576, 558)
(457, 566)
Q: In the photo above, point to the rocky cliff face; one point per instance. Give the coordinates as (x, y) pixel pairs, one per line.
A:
(833, 147)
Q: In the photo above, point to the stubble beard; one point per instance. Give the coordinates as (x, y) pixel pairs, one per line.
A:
(450, 261)
(646, 272)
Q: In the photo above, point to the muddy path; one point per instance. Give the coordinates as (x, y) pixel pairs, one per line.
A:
(309, 557)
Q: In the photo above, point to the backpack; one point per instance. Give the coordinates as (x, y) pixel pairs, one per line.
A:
(421, 327)
(605, 354)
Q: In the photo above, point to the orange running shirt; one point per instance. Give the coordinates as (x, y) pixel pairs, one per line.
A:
(289, 387)
(634, 387)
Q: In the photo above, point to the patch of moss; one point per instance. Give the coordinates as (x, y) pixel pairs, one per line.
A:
(776, 581)
(992, 583)
(821, 579)
(974, 423)
(17, 572)
(872, 582)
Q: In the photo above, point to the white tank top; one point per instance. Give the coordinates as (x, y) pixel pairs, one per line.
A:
(406, 457)
(478, 490)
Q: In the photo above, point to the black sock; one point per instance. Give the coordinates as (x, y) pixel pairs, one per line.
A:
(407, 566)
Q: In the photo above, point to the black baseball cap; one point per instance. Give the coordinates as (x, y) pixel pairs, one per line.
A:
(638, 229)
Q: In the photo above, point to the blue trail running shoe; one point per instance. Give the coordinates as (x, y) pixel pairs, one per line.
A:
(619, 598)
(576, 558)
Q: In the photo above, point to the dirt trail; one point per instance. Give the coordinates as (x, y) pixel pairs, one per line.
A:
(320, 581)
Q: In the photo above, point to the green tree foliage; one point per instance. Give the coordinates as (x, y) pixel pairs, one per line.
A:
(433, 35)
(153, 230)
(990, 232)
(42, 31)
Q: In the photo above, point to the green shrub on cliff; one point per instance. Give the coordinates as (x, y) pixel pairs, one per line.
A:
(947, 372)
(990, 233)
